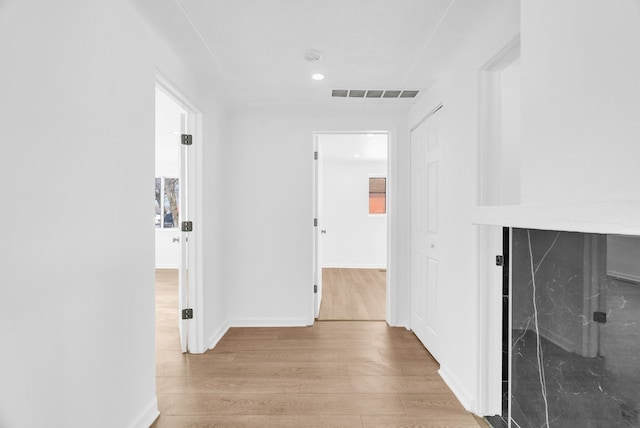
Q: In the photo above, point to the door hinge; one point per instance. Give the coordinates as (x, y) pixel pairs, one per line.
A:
(186, 139)
(315, 155)
(187, 226)
(600, 317)
(315, 289)
(499, 260)
(187, 314)
(315, 222)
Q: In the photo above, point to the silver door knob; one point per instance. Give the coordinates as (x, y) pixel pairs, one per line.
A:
(323, 231)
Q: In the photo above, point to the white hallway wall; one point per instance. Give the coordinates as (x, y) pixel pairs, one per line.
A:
(354, 239)
(78, 104)
(581, 101)
(269, 228)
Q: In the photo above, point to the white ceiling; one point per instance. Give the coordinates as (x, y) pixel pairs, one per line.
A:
(366, 44)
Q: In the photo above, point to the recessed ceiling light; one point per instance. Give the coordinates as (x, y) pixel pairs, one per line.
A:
(356, 155)
(312, 55)
(317, 76)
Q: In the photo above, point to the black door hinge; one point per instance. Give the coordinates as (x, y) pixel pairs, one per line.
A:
(315, 289)
(499, 260)
(187, 226)
(186, 140)
(187, 314)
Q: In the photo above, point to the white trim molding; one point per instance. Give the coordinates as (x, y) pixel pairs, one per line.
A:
(217, 335)
(268, 322)
(147, 416)
(336, 266)
(489, 239)
(458, 390)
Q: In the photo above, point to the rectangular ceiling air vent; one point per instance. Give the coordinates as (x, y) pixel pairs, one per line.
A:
(374, 93)
(408, 94)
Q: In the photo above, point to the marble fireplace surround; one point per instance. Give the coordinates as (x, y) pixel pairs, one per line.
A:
(574, 258)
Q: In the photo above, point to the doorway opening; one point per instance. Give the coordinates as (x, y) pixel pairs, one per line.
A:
(352, 228)
(177, 319)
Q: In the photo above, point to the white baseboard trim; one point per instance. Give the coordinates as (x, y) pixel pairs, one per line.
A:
(458, 390)
(625, 276)
(167, 267)
(217, 335)
(339, 266)
(268, 322)
(148, 415)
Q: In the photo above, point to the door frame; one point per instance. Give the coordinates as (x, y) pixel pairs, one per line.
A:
(490, 238)
(317, 238)
(391, 289)
(195, 337)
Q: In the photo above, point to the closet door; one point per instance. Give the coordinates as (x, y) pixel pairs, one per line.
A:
(425, 237)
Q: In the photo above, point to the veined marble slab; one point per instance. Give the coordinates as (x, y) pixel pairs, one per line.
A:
(567, 369)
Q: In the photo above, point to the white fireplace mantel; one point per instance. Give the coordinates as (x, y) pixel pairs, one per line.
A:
(620, 218)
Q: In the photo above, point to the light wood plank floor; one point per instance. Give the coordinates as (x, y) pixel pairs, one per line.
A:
(353, 294)
(334, 374)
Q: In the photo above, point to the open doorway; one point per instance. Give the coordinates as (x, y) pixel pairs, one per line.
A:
(175, 211)
(352, 204)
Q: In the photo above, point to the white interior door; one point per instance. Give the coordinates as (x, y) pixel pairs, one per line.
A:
(318, 231)
(425, 232)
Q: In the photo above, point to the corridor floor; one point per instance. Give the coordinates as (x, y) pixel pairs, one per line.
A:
(334, 374)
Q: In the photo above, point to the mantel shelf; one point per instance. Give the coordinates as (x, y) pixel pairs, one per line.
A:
(620, 218)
